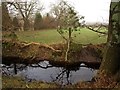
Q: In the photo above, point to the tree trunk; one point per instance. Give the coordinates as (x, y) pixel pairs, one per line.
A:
(26, 24)
(111, 59)
(68, 45)
(6, 20)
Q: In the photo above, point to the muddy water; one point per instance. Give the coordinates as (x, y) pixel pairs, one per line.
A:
(48, 73)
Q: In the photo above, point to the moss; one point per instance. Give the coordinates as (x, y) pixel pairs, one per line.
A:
(75, 47)
(10, 35)
(111, 62)
(7, 45)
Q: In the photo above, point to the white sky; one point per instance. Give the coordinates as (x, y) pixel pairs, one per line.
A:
(93, 10)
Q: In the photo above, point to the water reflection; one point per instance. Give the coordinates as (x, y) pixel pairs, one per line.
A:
(63, 77)
(43, 71)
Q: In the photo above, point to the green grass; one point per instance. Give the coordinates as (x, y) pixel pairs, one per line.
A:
(86, 36)
(41, 36)
(52, 36)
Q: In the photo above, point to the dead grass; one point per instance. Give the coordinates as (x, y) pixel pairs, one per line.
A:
(100, 82)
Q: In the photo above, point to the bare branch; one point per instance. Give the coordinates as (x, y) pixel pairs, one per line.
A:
(19, 8)
(62, 35)
(97, 30)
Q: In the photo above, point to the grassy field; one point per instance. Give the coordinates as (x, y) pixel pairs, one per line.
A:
(83, 36)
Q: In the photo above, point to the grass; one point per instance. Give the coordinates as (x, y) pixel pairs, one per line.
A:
(84, 36)
(17, 82)
(41, 36)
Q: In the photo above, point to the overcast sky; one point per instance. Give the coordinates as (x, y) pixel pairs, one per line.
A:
(93, 10)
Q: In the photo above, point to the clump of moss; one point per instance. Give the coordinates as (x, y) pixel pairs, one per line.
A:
(6, 45)
(10, 35)
(75, 47)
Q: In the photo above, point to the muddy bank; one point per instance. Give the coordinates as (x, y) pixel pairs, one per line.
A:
(22, 52)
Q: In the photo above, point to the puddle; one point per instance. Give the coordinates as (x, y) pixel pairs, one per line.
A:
(43, 71)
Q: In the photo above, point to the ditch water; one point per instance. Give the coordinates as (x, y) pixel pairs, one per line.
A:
(45, 72)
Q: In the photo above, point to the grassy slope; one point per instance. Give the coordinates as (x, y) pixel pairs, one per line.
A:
(43, 36)
(52, 36)
(86, 36)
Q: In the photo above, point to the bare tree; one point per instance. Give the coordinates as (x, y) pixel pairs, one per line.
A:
(26, 10)
(97, 29)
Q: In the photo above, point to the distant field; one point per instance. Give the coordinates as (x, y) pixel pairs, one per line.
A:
(83, 36)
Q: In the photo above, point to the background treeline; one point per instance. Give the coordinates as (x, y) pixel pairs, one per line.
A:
(17, 22)
(44, 22)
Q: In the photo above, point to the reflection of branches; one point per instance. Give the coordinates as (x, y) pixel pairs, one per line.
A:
(68, 76)
(61, 77)
(21, 67)
(14, 66)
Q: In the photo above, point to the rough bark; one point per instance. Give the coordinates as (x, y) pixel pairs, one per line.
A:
(26, 24)
(111, 59)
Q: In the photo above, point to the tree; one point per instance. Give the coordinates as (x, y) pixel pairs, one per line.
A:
(6, 20)
(16, 23)
(26, 9)
(68, 21)
(111, 60)
(38, 22)
(49, 21)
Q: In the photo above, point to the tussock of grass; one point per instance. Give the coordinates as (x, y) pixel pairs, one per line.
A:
(101, 82)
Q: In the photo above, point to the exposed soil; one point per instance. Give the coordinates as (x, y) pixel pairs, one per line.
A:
(22, 52)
